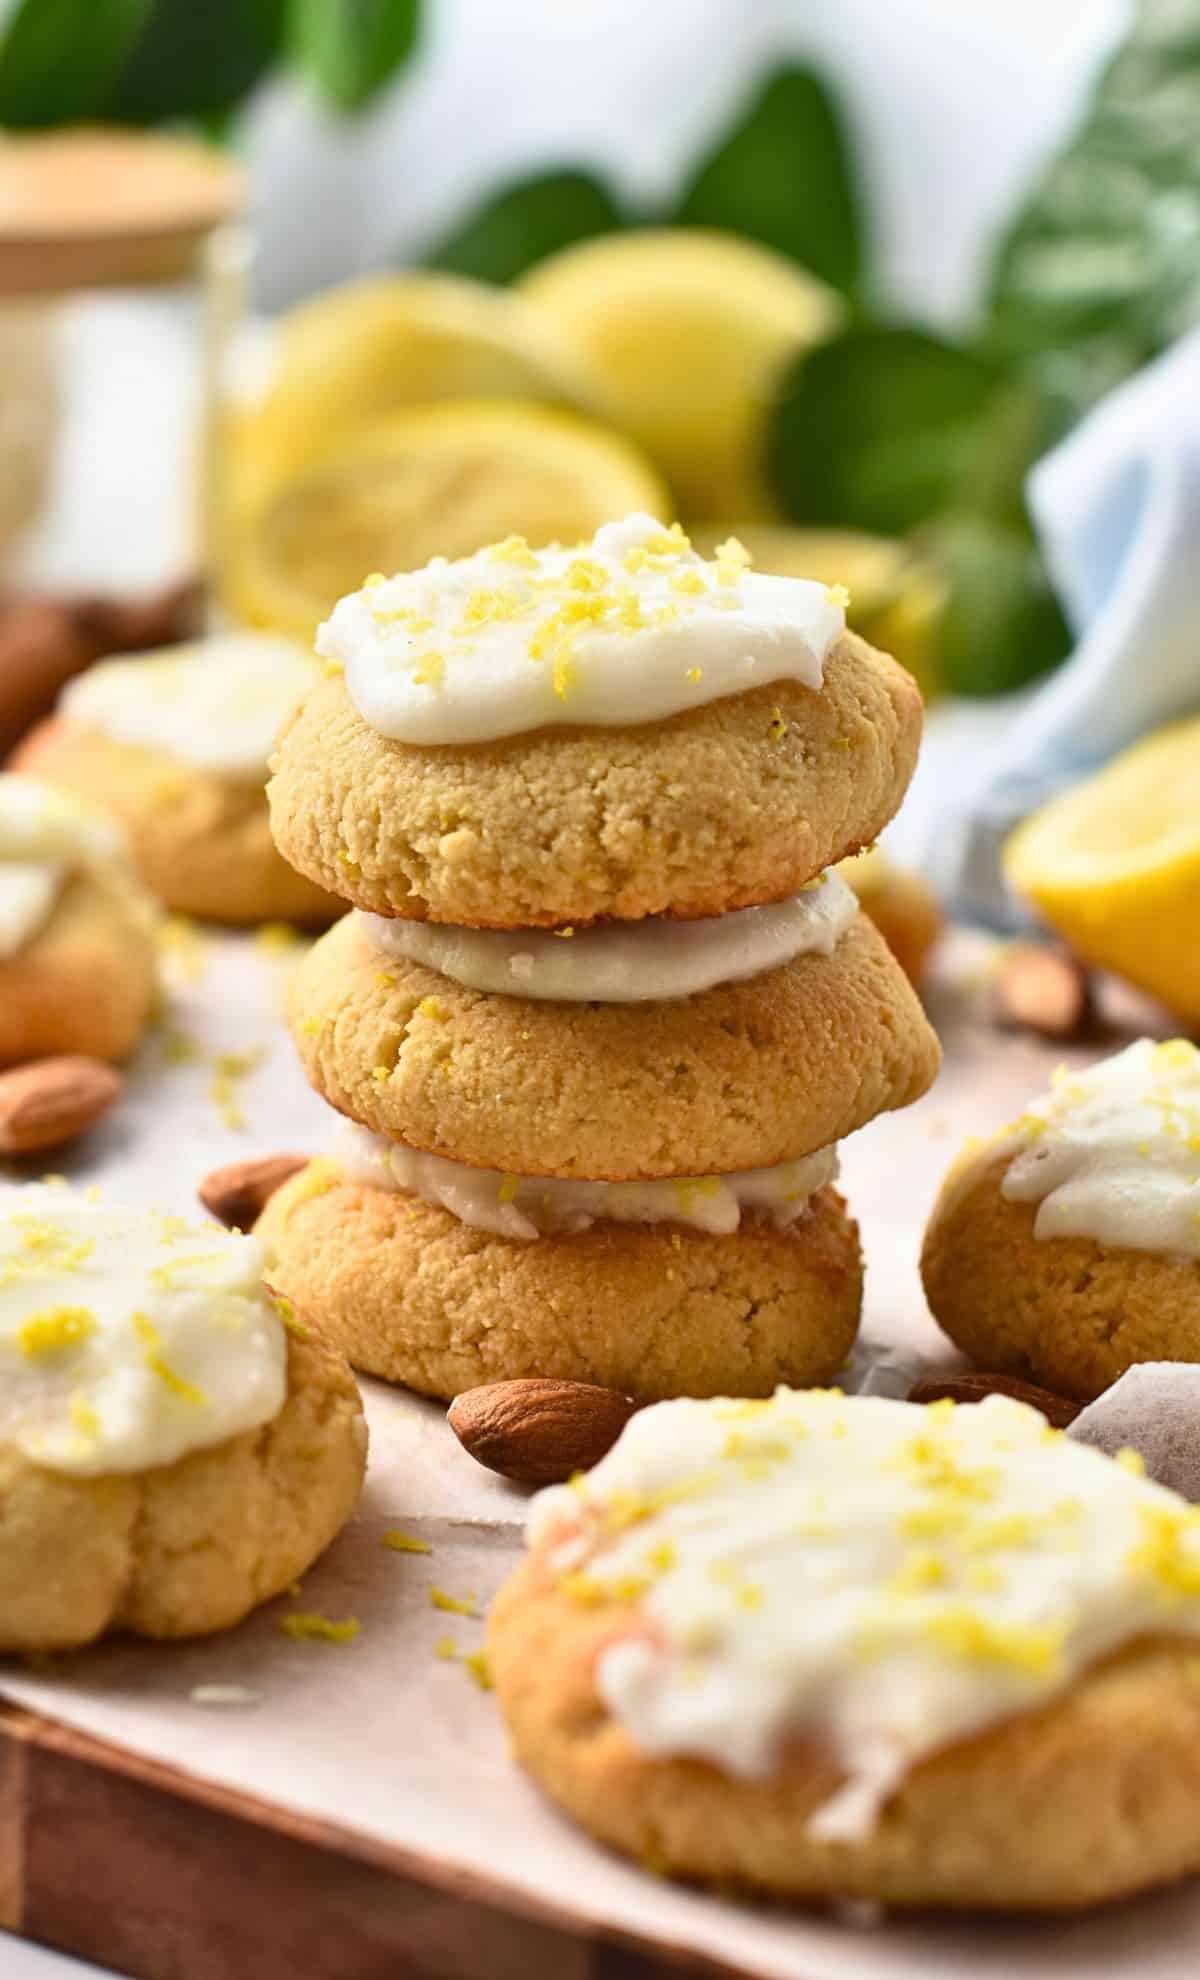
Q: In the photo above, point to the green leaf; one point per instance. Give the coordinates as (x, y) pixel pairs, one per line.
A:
(1104, 256)
(1000, 625)
(785, 176)
(351, 48)
(59, 58)
(198, 60)
(526, 222)
(881, 429)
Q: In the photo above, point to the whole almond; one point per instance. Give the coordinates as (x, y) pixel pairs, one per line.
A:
(1042, 990)
(538, 1431)
(237, 1194)
(973, 1387)
(51, 1101)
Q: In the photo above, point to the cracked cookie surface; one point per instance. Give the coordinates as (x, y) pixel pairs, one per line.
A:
(186, 1548)
(413, 1295)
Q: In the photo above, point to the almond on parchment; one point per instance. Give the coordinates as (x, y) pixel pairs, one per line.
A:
(537, 1431)
(237, 1194)
(51, 1101)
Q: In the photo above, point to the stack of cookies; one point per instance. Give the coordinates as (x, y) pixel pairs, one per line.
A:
(602, 1014)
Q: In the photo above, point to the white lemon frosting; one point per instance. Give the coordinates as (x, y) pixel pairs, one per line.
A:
(631, 627)
(45, 834)
(873, 1576)
(217, 703)
(625, 962)
(128, 1338)
(1113, 1152)
(539, 1206)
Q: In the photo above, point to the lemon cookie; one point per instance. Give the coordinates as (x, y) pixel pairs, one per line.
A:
(846, 1647)
(1068, 1247)
(77, 954)
(623, 730)
(902, 906)
(737, 1075)
(169, 1457)
(175, 744)
(416, 1292)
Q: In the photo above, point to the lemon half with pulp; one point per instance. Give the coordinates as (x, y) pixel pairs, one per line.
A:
(1114, 866)
(436, 481)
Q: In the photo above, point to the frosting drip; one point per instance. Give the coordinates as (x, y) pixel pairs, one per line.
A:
(538, 1206)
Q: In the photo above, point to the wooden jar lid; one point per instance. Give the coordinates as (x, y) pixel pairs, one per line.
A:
(96, 207)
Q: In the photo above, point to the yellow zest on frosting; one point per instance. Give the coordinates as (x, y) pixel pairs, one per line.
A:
(886, 1577)
(528, 1207)
(56, 1331)
(1109, 1152)
(617, 631)
(112, 1319)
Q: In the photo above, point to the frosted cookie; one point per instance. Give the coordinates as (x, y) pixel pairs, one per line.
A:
(736, 1075)
(175, 744)
(169, 1457)
(78, 969)
(846, 1647)
(624, 729)
(903, 908)
(705, 1291)
(1068, 1247)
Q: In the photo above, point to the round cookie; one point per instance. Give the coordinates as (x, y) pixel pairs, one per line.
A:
(903, 908)
(1065, 1312)
(190, 1547)
(830, 1646)
(410, 1293)
(1094, 1797)
(741, 1076)
(739, 801)
(87, 981)
(201, 842)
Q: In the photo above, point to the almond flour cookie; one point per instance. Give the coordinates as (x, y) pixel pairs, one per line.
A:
(903, 908)
(175, 744)
(413, 1293)
(78, 970)
(844, 1647)
(1068, 1247)
(741, 1075)
(169, 1458)
(622, 731)
(598, 1045)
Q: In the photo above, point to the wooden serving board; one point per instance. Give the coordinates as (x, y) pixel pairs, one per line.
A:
(362, 1817)
(133, 1864)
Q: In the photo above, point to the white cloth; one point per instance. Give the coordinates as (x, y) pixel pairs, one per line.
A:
(1117, 509)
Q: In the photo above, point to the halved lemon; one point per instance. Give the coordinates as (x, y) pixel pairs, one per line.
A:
(372, 347)
(895, 595)
(1114, 866)
(438, 481)
(686, 333)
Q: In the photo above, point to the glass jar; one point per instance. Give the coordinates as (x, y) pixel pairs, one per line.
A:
(121, 265)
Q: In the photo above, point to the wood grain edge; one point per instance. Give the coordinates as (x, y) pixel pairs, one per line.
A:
(13, 1772)
(188, 1880)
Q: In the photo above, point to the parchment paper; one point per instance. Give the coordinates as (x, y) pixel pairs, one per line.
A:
(385, 1737)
